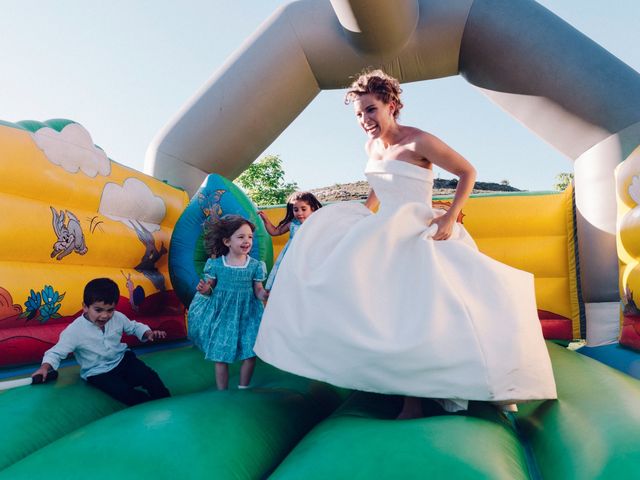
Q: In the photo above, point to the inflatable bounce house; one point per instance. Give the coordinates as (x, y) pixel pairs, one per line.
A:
(70, 214)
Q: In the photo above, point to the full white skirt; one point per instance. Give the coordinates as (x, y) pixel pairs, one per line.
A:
(371, 302)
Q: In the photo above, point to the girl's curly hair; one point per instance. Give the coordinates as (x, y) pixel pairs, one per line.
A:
(376, 82)
(219, 229)
(307, 197)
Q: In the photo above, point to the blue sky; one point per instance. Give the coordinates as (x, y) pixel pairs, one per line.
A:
(123, 68)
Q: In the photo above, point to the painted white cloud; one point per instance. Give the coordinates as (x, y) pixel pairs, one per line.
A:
(133, 200)
(73, 150)
(634, 189)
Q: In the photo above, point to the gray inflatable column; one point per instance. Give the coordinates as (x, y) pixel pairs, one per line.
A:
(243, 108)
(580, 99)
(302, 48)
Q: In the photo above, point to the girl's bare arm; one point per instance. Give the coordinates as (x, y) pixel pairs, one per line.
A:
(205, 287)
(260, 292)
(271, 228)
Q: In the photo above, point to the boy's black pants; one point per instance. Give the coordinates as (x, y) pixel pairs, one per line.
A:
(131, 372)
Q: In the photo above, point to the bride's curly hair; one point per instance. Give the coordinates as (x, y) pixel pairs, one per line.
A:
(376, 82)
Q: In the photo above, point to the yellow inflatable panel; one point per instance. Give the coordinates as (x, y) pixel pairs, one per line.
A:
(71, 214)
(534, 232)
(276, 214)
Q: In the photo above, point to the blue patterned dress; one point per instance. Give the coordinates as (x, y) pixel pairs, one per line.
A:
(224, 325)
(293, 228)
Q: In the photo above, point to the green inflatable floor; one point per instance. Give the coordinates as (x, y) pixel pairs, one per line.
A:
(287, 427)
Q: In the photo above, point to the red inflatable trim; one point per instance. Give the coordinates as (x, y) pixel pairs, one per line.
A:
(554, 326)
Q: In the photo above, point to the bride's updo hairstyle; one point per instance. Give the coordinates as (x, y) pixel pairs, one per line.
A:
(376, 82)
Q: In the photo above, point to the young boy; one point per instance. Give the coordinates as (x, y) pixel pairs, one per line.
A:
(106, 362)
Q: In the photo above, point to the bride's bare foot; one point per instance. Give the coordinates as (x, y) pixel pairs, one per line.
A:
(507, 411)
(506, 407)
(411, 408)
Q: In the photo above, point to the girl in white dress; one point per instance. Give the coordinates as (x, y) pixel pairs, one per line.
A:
(402, 301)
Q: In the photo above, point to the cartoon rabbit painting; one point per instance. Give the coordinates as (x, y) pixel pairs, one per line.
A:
(70, 236)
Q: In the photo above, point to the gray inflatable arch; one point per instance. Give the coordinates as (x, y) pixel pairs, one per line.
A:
(560, 84)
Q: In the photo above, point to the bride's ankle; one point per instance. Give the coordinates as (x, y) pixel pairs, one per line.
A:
(506, 407)
(411, 408)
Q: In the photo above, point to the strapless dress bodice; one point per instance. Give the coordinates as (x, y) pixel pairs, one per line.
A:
(397, 182)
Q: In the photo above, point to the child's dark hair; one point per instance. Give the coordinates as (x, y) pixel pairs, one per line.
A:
(383, 86)
(307, 197)
(101, 290)
(222, 228)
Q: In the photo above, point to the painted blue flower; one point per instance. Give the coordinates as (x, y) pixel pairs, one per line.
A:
(49, 295)
(32, 305)
(49, 310)
(33, 302)
(43, 305)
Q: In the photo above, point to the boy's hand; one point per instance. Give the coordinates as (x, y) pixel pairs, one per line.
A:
(151, 335)
(43, 370)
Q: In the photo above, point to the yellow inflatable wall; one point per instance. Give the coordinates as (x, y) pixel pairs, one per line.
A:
(535, 232)
(532, 232)
(71, 214)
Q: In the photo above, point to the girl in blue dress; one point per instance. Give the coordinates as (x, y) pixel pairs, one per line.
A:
(225, 313)
(300, 205)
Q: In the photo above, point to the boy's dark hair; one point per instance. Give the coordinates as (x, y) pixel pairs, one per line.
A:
(101, 290)
(219, 229)
(307, 197)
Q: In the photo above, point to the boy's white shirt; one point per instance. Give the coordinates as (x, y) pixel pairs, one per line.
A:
(96, 351)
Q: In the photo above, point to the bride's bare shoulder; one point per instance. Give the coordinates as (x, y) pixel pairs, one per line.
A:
(368, 146)
(373, 150)
(428, 140)
(416, 134)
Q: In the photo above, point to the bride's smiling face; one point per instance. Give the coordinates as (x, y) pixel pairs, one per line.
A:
(374, 116)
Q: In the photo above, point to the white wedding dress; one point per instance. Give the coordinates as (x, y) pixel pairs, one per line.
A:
(370, 302)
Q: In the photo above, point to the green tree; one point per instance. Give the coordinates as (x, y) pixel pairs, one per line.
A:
(563, 180)
(264, 181)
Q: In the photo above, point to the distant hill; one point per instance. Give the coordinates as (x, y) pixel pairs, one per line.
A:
(360, 190)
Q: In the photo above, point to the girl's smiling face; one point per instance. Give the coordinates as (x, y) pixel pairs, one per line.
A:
(374, 116)
(241, 241)
(301, 210)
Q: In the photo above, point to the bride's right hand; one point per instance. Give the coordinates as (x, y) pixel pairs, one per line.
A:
(445, 225)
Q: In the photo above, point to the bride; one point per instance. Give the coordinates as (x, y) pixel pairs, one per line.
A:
(402, 301)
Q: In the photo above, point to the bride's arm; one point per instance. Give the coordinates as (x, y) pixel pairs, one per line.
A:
(372, 202)
(441, 154)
